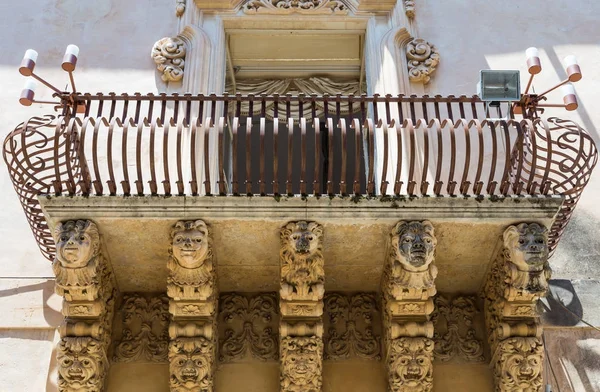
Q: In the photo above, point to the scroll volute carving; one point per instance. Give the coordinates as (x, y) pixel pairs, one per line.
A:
(423, 59)
(191, 262)
(77, 265)
(302, 273)
(410, 270)
(169, 55)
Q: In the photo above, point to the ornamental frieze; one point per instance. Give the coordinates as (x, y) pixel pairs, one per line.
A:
(326, 7)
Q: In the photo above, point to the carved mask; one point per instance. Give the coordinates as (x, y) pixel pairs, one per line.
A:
(80, 363)
(303, 239)
(521, 363)
(190, 363)
(527, 246)
(190, 243)
(301, 359)
(411, 363)
(415, 242)
(76, 243)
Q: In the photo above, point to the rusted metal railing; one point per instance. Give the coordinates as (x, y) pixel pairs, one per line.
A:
(272, 145)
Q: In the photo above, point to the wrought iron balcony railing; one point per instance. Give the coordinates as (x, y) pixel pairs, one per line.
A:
(176, 145)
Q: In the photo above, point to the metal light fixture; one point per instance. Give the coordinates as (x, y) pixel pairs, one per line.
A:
(27, 69)
(499, 86)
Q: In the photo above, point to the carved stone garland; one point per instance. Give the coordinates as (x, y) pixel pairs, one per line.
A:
(408, 289)
(518, 279)
(351, 326)
(248, 325)
(301, 306)
(191, 286)
(84, 280)
(423, 58)
(326, 7)
(169, 55)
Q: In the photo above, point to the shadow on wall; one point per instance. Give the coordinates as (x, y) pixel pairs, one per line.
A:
(553, 313)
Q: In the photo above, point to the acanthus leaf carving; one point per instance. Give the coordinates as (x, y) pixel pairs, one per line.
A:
(454, 318)
(82, 364)
(250, 324)
(145, 332)
(295, 6)
(301, 364)
(191, 363)
(410, 364)
(351, 327)
(169, 55)
(423, 58)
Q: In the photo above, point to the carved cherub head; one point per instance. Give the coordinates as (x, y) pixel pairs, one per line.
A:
(520, 364)
(413, 244)
(81, 364)
(303, 238)
(190, 243)
(190, 362)
(302, 362)
(527, 246)
(411, 364)
(76, 243)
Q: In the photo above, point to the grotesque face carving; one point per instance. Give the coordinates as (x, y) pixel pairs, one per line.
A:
(76, 243)
(190, 243)
(81, 364)
(414, 244)
(303, 238)
(527, 246)
(190, 362)
(520, 364)
(411, 364)
(302, 361)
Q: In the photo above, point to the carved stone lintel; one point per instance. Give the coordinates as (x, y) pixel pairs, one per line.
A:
(169, 55)
(82, 364)
(301, 364)
(410, 364)
(409, 8)
(191, 364)
(351, 327)
(326, 7)
(518, 365)
(423, 59)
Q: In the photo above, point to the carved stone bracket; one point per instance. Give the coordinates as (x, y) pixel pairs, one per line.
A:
(411, 364)
(409, 8)
(248, 325)
(351, 326)
(191, 364)
(455, 334)
(517, 280)
(326, 7)
(423, 58)
(169, 55)
(301, 364)
(82, 364)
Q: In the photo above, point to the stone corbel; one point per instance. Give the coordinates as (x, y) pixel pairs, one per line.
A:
(408, 290)
(423, 58)
(518, 279)
(169, 55)
(301, 306)
(191, 288)
(84, 280)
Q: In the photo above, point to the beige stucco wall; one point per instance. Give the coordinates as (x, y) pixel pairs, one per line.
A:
(115, 38)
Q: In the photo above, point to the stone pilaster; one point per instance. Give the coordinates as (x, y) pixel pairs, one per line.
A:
(301, 306)
(191, 287)
(408, 290)
(84, 280)
(518, 279)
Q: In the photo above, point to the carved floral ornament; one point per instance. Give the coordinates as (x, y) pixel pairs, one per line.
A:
(423, 59)
(169, 55)
(326, 7)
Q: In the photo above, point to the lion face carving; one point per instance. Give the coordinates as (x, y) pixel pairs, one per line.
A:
(414, 245)
(190, 243)
(76, 243)
(82, 364)
(190, 363)
(520, 364)
(411, 365)
(302, 363)
(527, 246)
(303, 238)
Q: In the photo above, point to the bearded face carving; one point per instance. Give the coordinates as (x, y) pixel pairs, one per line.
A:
(190, 243)
(519, 367)
(302, 361)
(76, 243)
(82, 364)
(302, 272)
(413, 244)
(527, 246)
(190, 362)
(410, 362)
